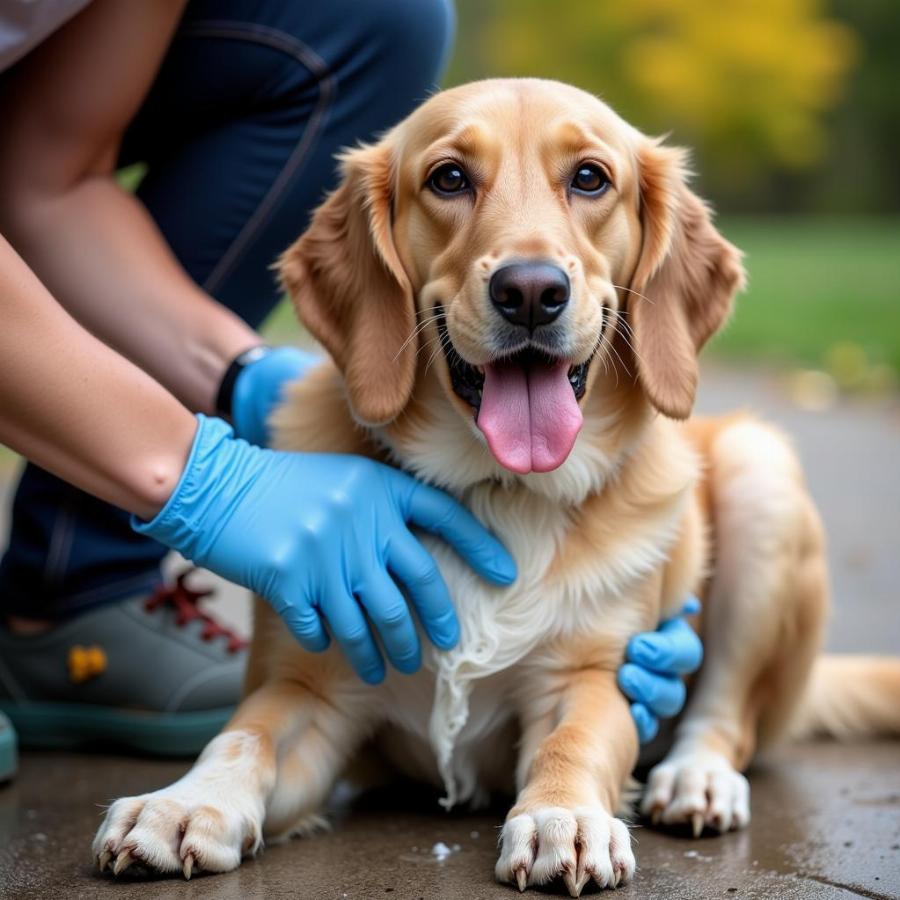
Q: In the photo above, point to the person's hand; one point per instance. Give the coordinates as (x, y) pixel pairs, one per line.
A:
(655, 661)
(326, 539)
(259, 388)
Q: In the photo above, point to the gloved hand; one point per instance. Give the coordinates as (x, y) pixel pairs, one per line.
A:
(655, 662)
(325, 539)
(260, 388)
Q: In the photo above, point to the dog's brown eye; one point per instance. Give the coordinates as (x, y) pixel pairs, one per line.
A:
(448, 179)
(590, 179)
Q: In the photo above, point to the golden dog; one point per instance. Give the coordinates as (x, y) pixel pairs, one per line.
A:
(513, 286)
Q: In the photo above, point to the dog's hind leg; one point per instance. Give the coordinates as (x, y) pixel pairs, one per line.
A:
(308, 768)
(762, 628)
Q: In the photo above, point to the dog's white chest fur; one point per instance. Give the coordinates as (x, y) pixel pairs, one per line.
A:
(472, 683)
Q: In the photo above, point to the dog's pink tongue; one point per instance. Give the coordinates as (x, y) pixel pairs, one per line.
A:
(530, 417)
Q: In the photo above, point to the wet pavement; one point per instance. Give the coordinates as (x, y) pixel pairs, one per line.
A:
(826, 824)
(826, 817)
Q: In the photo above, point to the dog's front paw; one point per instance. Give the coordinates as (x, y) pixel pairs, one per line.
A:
(165, 832)
(575, 845)
(699, 788)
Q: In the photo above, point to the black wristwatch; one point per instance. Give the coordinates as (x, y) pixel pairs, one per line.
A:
(225, 394)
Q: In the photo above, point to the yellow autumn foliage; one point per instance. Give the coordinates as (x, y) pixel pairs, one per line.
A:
(749, 81)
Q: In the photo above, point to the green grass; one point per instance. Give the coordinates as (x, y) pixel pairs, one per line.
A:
(814, 284)
(282, 325)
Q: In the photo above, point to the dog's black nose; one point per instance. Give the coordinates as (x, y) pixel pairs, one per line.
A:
(529, 294)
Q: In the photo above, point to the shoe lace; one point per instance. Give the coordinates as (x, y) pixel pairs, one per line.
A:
(185, 600)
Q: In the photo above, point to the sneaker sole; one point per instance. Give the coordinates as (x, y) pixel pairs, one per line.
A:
(73, 726)
(9, 761)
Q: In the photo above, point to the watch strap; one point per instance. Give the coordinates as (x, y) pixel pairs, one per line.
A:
(225, 394)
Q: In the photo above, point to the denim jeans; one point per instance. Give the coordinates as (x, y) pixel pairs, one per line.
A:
(238, 133)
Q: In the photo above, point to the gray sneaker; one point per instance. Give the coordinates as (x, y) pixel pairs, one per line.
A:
(153, 674)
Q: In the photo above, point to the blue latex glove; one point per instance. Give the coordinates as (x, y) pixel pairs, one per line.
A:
(260, 388)
(651, 676)
(325, 539)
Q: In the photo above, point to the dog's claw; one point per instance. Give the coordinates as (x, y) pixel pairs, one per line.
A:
(521, 879)
(571, 883)
(188, 866)
(697, 824)
(581, 879)
(123, 861)
(103, 860)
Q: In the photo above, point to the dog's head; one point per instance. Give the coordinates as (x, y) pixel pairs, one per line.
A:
(519, 231)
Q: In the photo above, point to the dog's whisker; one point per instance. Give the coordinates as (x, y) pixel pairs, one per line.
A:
(443, 343)
(419, 328)
(431, 345)
(608, 361)
(627, 334)
(621, 361)
(621, 287)
(612, 347)
(603, 356)
(622, 319)
(421, 347)
(424, 346)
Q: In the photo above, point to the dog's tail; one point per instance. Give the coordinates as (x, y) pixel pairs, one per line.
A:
(850, 697)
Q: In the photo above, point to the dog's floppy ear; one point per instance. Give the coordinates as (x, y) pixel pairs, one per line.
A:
(688, 275)
(351, 290)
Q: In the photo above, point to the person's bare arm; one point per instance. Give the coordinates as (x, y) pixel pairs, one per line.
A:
(78, 409)
(64, 110)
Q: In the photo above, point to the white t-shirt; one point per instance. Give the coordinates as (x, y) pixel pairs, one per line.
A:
(25, 23)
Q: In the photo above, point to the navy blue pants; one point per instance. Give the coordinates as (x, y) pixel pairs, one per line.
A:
(238, 133)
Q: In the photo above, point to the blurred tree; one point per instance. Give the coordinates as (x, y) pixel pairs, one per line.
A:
(861, 172)
(746, 82)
